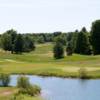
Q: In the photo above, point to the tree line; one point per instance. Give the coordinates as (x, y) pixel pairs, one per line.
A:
(16, 43)
(80, 42)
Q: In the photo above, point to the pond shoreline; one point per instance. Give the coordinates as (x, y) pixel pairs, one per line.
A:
(57, 88)
(58, 76)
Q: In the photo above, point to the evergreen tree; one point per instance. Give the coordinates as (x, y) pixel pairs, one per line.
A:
(69, 36)
(69, 49)
(55, 34)
(82, 44)
(84, 30)
(58, 50)
(95, 36)
(74, 40)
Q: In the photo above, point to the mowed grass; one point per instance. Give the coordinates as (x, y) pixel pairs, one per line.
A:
(7, 93)
(41, 62)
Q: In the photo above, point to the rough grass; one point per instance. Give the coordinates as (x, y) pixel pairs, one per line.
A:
(41, 62)
(6, 93)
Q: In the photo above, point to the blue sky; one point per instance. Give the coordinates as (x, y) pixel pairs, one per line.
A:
(47, 15)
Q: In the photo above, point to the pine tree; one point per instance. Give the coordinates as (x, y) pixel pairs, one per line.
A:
(95, 36)
(82, 44)
(74, 40)
(58, 50)
(69, 49)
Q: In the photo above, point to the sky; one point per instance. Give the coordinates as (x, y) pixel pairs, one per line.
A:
(34, 16)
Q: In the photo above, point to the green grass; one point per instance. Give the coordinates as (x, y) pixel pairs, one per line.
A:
(6, 93)
(26, 97)
(41, 62)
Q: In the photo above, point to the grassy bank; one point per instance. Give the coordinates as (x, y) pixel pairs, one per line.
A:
(41, 62)
(6, 93)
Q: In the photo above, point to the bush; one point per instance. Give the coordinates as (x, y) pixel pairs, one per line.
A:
(23, 82)
(33, 90)
(26, 88)
(17, 97)
(83, 73)
(40, 39)
(5, 79)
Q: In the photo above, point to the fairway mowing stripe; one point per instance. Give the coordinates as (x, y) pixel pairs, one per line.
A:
(75, 69)
(10, 60)
(1, 61)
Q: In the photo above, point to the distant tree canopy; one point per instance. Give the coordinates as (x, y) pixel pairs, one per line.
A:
(81, 42)
(74, 40)
(41, 39)
(60, 39)
(16, 43)
(69, 49)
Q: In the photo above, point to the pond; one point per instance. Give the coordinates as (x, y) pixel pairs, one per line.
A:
(64, 88)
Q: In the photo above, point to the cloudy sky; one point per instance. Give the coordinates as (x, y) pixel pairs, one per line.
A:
(47, 15)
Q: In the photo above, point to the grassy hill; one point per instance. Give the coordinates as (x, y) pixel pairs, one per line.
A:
(41, 62)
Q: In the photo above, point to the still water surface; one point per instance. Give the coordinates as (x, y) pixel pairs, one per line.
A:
(64, 89)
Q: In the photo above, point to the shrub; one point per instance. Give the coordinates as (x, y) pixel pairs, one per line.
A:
(83, 73)
(26, 88)
(5, 79)
(58, 51)
(33, 90)
(23, 82)
(17, 97)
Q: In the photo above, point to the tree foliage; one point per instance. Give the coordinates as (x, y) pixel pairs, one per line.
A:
(60, 39)
(58, 51)
(16, 43)
(26, 88)
(6, 42)
(82, 44)
(69, 49)
(5, 79)
(95, 36)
